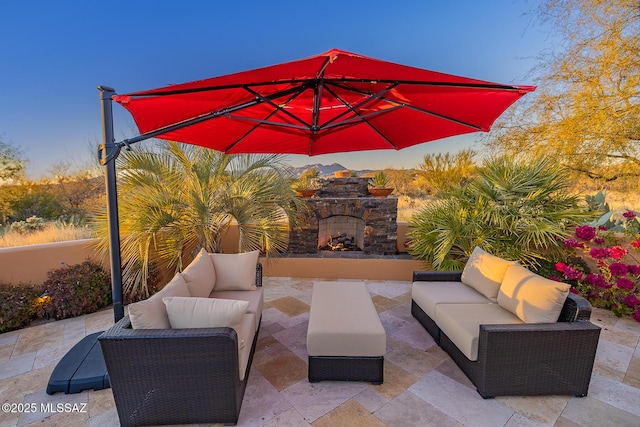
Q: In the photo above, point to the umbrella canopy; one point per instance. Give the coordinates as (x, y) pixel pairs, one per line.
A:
(333, 102)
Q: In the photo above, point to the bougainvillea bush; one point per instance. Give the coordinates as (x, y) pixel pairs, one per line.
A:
(613, 257)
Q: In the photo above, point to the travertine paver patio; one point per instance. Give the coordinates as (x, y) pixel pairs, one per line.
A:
(422, 387)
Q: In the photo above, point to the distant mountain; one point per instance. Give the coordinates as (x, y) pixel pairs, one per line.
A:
(325, 170)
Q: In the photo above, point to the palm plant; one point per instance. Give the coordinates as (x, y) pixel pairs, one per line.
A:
(181, 198)
(515, 210)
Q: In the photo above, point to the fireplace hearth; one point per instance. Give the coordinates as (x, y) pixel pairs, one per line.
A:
(345, 217)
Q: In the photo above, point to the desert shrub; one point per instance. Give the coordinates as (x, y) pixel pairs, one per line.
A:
(513, 209)
(18, 306)
(77, 289)
(33, 223)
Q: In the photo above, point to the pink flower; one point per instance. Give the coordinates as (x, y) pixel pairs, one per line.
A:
(596, 280)
(598, 240)
(618, 269)
(585, 232)
(631, 300)
(636, 316)
(636, 244)
(572, 274)
(624, 283)
(555, 278)
(560, 266)
(617, 252)
(574, 291)
(572, 243)
(602, 227)
(634, 269)
(629, 214)
(599, 253)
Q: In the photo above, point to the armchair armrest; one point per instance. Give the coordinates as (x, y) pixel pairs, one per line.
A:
(437, 276)
(575, 308)
(258, 274)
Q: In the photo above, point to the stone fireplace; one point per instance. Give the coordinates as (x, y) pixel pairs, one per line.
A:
(343, 206)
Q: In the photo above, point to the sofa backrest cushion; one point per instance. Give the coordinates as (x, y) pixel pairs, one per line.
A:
(152, 313)
(235, 272)
(194, 312)
(200, 275)
(484, 273)
(531, 297)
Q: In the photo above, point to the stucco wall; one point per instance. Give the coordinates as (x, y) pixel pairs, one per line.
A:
(30, 264)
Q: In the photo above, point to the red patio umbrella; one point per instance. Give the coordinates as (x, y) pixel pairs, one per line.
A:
(333, 102)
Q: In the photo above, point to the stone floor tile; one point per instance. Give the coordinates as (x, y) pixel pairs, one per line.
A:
(409, 410)
(7, 338)
(622, 337)
(74, 407)
(284, 371)
(616, 394)
(295, 339)
(17, 365)
(370, 399)
(391, 323)
(411, 359)
(382, 303)
(315, 400)
(351, 414)
(629, 325)
(587, 411)
(565, 422)
(6, 350)
(261, 402)
(396, 380)
(415, 335)
(518, 420)
(632, 377)
(453, 371)
(108, 418)
(389, 289)
(51, 355)
(542, 410)
(612, 359)
(34, 339)
(290, 306)
(290, 418)
(459, 402)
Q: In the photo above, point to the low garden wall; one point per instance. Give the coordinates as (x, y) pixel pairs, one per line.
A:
(30, 264)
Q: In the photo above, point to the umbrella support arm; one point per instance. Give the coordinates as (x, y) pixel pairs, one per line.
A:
(109, 151)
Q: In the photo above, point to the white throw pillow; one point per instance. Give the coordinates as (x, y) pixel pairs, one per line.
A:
(235, 272)
(205, 312)
(200, 275)
(484, 273)
(152, 313)
(532, 298)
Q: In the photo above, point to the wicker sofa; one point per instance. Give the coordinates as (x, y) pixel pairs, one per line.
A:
(184, 375)
(501, 353)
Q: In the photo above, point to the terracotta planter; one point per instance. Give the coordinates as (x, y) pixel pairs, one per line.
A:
(380, 192)
(306, 193)
(342, 174)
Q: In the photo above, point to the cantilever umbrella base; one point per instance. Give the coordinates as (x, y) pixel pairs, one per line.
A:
(80, 369)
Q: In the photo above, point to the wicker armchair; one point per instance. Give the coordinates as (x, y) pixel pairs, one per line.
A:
(175, 376)
(525, 359)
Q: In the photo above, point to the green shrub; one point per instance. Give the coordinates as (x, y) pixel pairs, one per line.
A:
(33, 223)
(515, 210)
(77, 289)
(18, 306)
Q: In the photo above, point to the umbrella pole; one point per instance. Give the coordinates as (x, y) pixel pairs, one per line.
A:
(108, 152)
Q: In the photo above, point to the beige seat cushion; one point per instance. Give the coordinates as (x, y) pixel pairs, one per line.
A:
(200, 275)
(152, 313)
(484, 272)
(344, 322)
(245, 341)
(532, 298)
(192, 312)
(429, 294)
(461, 323)
(255, 299)
(235, 272)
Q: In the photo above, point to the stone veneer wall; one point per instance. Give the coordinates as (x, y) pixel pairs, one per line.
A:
(349, 197)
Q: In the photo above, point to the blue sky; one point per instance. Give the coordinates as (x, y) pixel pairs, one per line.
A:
(53, 54)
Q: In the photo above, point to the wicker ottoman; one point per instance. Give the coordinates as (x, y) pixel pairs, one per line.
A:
(345, 338)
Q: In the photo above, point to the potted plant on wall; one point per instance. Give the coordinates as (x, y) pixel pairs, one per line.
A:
(307, 183)
(379, 185)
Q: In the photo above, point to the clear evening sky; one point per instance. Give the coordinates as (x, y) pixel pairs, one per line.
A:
(53, 54)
